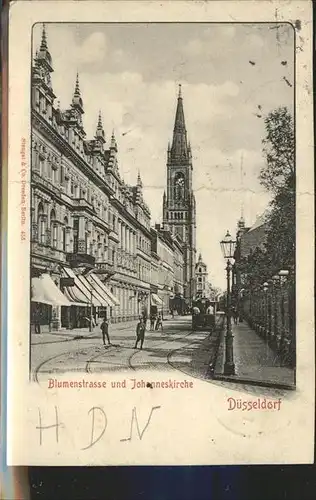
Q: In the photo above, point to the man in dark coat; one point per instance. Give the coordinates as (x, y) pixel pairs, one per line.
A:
(105, 331)
(140, 333)
(37, 319)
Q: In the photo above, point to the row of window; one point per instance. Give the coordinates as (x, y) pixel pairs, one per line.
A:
(144, 272)
(176, 215)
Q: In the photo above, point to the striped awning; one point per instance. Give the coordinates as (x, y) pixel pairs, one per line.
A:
(89, 289)
(155, 300)
(103, 290)
(70, 293)
(44, 291)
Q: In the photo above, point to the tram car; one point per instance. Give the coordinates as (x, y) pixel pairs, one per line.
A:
(203, 314)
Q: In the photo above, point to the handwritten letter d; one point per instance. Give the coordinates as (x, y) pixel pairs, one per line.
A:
(95, 440)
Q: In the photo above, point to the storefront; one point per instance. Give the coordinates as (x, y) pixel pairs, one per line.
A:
(156, 304)
(45, 296)
(91, 299)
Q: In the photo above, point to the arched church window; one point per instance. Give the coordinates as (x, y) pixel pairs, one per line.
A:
(179, 183)
(200, 269)
(53, 228)
(41, 223)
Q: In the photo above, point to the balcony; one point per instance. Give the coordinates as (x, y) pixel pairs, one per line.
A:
(47, 252)
(80, 259)
(82, 203)
(106, 267)
(47, 184)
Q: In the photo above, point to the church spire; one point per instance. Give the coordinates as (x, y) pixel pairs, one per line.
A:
(179, 148)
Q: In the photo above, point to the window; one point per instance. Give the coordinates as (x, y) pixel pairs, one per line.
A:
(61, 175)
(41, 224)
(41, 166)
(53, 229)
(54, 174)
(200, 280)
(98, 247)
(200, 269)
(65, 236)
(179, 184)
(76, 234)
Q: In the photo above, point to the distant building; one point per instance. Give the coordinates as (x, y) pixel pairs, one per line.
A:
(167, 269)
(202, 285)
(248, 239)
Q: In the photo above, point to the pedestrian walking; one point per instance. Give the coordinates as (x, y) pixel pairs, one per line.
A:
(235, 315)
(37, 320)
(105, 331)
(140, 333)
(152, 321)
(145, 317)
(159, 322)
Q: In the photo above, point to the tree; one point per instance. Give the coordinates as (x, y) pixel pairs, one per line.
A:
(278, 177)
(278, 150)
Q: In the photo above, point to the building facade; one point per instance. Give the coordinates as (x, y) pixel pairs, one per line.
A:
(83, 215)
(179, 208)
(202, 285)
(91, 239)
(167, 269)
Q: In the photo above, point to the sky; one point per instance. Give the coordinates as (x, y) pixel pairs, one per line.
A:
(131, 73)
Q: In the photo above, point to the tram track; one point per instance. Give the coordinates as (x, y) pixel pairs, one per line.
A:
(51, 358)
(166, 341)
(172, 352)
(124, 363)
(129, 363)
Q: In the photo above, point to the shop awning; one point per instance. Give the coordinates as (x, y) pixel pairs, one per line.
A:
(45, 291)
(74, 293)
(155, 300)
(88, 289)
(71, 296)
(103, 290)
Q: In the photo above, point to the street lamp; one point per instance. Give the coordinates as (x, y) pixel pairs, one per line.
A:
(228, 246)
(266, 307)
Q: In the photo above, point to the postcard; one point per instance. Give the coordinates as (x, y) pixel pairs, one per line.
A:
(160, 233)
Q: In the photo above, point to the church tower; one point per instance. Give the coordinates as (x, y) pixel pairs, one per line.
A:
(179, 210)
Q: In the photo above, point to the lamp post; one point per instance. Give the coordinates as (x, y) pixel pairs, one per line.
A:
(266, 312)
(228, 248)
(91, 311)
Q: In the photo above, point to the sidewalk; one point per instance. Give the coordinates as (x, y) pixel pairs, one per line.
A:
(255, 361)
(82, 333)
(78, 334)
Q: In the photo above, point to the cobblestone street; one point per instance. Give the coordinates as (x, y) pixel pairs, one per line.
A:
(174, 348)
